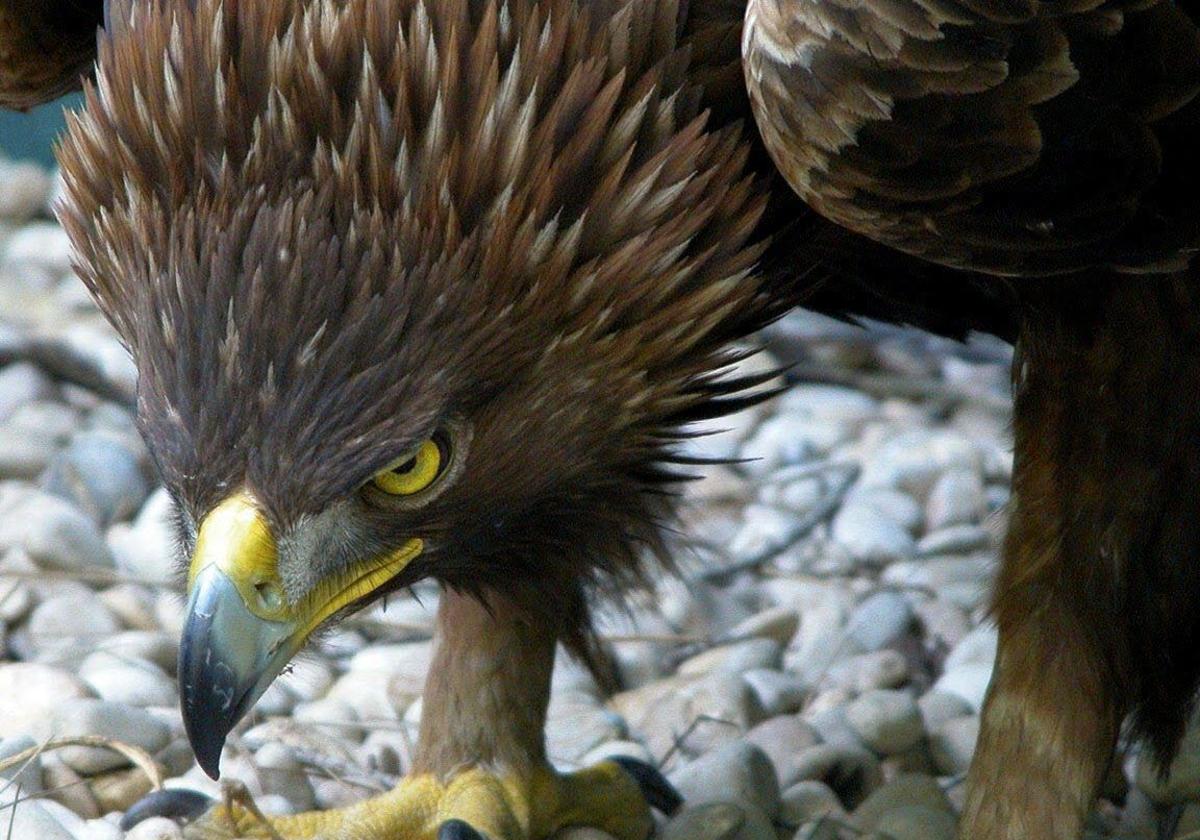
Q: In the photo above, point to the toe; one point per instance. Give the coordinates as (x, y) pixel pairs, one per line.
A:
(659, 793)
(458, 830)
(176, 804)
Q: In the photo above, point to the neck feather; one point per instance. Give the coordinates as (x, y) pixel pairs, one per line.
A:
(487, 691)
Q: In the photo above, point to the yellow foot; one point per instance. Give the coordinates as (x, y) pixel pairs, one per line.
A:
(614, 796)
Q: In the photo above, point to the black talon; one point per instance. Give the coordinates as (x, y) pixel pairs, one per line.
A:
(458, 830)
(177, 804)
(660, 793)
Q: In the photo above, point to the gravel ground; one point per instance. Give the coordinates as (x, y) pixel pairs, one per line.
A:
(817, 675)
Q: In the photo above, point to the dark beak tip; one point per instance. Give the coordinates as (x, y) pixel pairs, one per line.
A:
(207, 739)
(210, 766)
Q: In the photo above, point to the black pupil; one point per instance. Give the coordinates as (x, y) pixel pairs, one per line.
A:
(407, 467)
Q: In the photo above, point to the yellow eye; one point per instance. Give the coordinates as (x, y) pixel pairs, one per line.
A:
(413, 474)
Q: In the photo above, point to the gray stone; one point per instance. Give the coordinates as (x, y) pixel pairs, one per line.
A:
(24, 188)
(100, 475)
(916, 822)
(54, 534)
(711, 709)
(798, 494)
(309, 679)
(977, 647)
(998, 496)
(832, 726)
(133, 605)
(963, 581)
(28, 774)
(830, 403)
(880, 620)
(913, 460)
(893, 505)
(21, 383)
(970, 682)
(131, 683)
(16, 600)
(910, 789)
(152, 646)
(870, 538)
(778, 623)
(888, 722)
(64, 628)
(336, 717)
(715, 821)
(735, 658)
(937, 707)
(778, 693)
(810, 800)
(613, 749)
(853, 772)
(764, 531)
(280, 773)
(169, 612)
(155, 828)
(101, 829)
(573, 728)
(24, 453)
(371, 693)
(957, 498)
(112, 720)
(32, 819)
(882, 669)
(738, 771)
(47, 417)
(786, 439)
(943, 624)
(146, 548)
(781, 739)
(276, 701)
(954, 539)
(42, 244)
(29, 691)
(953, 744)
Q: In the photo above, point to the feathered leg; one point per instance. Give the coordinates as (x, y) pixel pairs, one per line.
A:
(1095, 598)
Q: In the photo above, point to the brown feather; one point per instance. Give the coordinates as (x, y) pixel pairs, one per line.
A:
(1017, 138)
(333, 224)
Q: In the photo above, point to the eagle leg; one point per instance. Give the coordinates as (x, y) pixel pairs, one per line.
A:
(1095, 597)
(480, 768)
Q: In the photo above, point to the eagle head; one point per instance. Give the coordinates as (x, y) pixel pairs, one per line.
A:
(414, 288)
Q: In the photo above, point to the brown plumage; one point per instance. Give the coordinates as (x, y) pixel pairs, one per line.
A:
(1029, 137)
(473, 220)
(328, 230)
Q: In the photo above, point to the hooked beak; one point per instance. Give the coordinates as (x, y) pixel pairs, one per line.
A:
(241, 630)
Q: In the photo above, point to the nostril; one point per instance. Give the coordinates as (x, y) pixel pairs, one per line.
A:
(269, 594)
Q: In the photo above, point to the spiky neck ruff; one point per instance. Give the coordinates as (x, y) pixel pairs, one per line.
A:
(320, 225)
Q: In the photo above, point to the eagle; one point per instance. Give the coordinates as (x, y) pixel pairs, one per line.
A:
(438, 288)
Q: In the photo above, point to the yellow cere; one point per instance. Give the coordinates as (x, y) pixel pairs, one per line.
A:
(413, 474)
(236, 537)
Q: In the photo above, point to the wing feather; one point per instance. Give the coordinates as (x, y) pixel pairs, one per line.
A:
(1008, 136)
